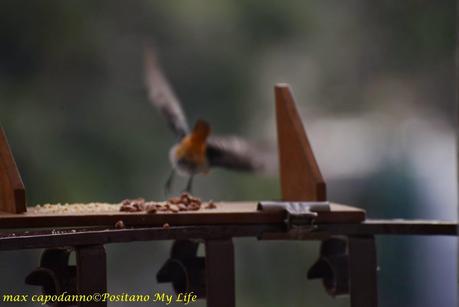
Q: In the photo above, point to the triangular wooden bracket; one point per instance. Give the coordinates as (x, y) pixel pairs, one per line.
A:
(300, 176)
(12, 191)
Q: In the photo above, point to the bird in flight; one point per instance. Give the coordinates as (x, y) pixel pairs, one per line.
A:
(196, 151)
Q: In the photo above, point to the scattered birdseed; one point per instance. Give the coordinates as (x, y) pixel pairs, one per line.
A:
(73, 208)
(133, 205)
(174, 208)
(175, 200)
(151, 209)
(120, 225)
(194, 207)
(184, 202)
(210, 205)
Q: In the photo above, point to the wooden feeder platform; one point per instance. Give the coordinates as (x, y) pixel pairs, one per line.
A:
(226, 213)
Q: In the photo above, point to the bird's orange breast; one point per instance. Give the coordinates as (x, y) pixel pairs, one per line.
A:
(190, 153)
(192, 150)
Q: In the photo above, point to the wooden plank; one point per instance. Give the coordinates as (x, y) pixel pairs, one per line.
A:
(395, 227)
(12, 191)
(226, 213)
(103, 235)
(370, 227)
(50, 238)
(300, 176)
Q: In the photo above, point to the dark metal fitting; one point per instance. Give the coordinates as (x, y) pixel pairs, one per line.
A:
(298, 214)
(54, 274)
(332, 266)
(184, 269)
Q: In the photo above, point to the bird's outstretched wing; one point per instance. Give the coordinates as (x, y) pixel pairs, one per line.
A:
(162, 96)
(236, 153)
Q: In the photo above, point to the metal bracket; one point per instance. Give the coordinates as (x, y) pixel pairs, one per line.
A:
(56, 276)
(184, 269)
(332, 266)
(298, 214)
(210, 277)
(349, 267)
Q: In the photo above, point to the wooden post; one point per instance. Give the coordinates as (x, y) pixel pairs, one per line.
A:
(91, 274)
(220, 273)
(300, 176)
(363, 271)
(12, 191)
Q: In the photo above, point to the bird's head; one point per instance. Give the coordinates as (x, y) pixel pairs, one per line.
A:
(201, 131)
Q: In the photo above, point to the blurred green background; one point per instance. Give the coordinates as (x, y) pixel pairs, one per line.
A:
(374, 82)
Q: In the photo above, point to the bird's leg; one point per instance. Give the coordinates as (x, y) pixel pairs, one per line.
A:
(170, 179)
(189, 185)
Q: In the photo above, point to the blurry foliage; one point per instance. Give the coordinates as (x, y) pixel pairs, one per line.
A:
(71, 84)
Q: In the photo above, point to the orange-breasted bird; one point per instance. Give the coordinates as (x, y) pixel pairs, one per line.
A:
(196, 152)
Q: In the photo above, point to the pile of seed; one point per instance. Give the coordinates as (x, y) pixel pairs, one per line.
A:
(184, 202)
(73, 208)
(136, 205)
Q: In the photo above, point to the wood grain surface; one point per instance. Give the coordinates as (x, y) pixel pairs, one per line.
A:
(300, 176)
(225, 213)
(12, 192)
